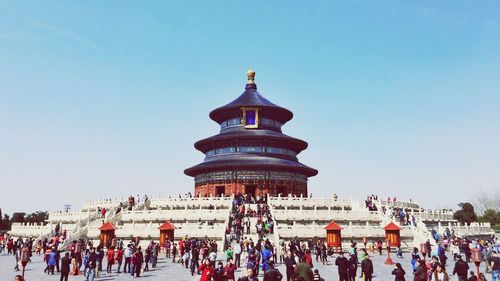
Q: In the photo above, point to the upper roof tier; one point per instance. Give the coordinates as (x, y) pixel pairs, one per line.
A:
(251, 98)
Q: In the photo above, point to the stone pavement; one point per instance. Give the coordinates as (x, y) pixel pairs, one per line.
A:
(168, 271)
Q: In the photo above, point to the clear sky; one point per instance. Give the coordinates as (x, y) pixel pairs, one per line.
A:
(106, 98)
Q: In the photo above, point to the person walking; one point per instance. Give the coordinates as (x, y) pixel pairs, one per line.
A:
(342, 266)
(461, 268)
(398, 272)
(65, 267)
(367, 268)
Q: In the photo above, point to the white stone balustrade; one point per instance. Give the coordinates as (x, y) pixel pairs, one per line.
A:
(72, 216)
(182, 214)
(103, 203)
(308, 202)
(28, 230)
(325, 215)
(165, 202)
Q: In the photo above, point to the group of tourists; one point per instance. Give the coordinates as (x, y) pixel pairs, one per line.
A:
(435, 267)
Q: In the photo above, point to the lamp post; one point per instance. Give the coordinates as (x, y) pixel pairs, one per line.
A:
(476, 257)
(25, 258)
(388, 245)
(423, 250)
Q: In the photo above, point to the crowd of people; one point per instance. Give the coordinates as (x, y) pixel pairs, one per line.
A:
(250, 250)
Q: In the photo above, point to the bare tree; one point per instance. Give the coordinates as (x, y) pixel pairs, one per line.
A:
(487, 200)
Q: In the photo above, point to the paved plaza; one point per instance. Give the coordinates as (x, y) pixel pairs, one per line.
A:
(168, 271)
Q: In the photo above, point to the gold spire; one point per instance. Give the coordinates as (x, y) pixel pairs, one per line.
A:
(251, 76)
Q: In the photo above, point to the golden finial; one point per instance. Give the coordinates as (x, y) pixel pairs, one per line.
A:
(251, 76)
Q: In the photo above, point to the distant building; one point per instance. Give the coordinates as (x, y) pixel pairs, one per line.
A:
(251, 155)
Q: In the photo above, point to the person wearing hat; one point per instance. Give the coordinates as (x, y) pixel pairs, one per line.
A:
(461, 268)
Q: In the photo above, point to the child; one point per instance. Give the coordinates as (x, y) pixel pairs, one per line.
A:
(399, 252)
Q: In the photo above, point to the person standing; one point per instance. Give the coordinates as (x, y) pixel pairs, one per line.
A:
(440, 274)
(353, 267)
(272, 274)
(398, 272)
(290, 265)
(90, 273)
(343, 266)
(52, 261)
(65, 267)
(367, 268)
(110, 254)
(461, 269)
(128, 258)
(379, 247)
(495, 266)
(132, 266)
(207, 271)
(119, 258)
(303, 270)
(229, 270)
(237, 253)
(421, 271)
(139, 259)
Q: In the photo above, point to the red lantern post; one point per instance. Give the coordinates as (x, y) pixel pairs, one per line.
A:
(25, 258)
(423, 250)
(388, 245)
(476, 257)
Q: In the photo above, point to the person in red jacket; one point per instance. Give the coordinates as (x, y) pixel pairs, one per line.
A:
(119, 258)
(111, 259)
(207, 271)
(229, 270)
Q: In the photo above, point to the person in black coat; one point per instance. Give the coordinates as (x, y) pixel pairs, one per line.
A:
(367, 268)
(290, 265)
(343, 266)
(398, 272)
(461, 268)
(353, 267)
(65, 267)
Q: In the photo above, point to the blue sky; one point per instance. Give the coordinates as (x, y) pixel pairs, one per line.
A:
(106, 98)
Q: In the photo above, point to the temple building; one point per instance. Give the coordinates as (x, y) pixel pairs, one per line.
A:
(250, 154)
